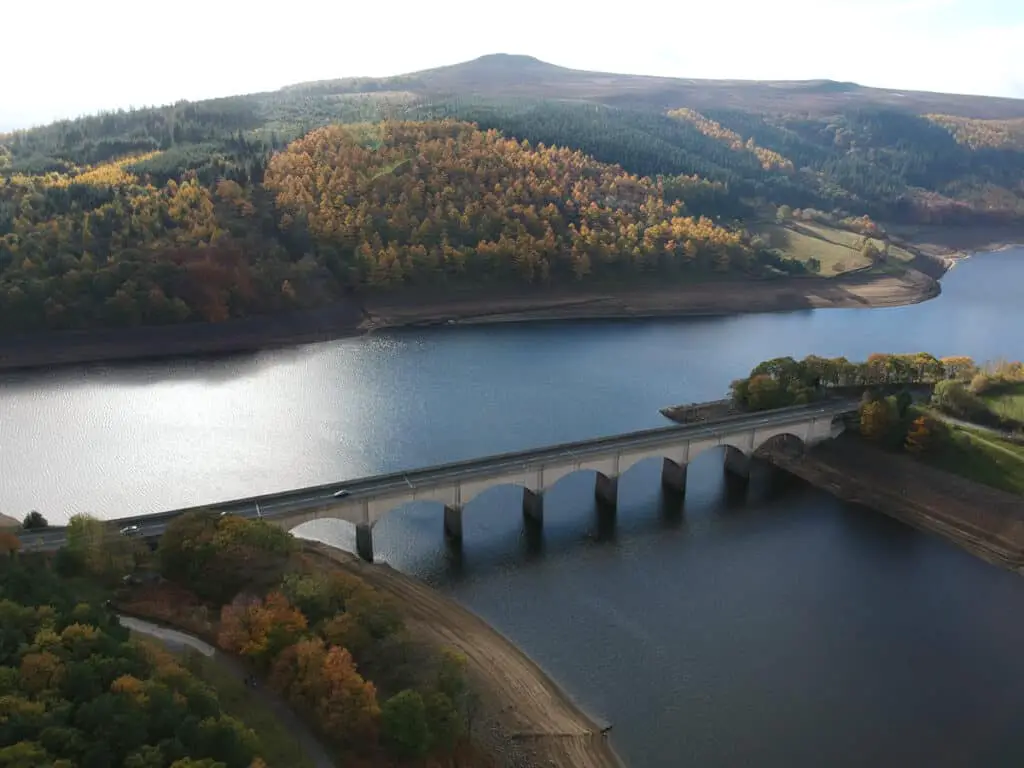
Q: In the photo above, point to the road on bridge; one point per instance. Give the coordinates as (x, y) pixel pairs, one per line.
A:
(286, 503)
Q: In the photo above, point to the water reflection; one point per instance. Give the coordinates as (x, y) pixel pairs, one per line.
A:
(767, 625)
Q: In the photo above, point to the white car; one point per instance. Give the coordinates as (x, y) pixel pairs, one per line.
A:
(342, 493)
(131, 530)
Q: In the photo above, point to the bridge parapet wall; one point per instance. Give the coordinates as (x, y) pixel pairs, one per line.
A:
(539, 475)
(455, 484)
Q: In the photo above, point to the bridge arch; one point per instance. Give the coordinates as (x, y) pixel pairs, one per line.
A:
(742, 444)
(446, 502)
(686, 452)
(788, 441)
(456, 486)
(483, 488)
(563, 476)
(334, 530)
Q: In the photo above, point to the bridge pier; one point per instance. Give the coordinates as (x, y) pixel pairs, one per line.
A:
(673, 477)
(453, 523)
(533, 506)
(364, 542)
(606, 491)
(737, 463)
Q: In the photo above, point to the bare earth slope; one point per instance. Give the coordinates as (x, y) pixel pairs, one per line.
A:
(701, 298)
(528, 719)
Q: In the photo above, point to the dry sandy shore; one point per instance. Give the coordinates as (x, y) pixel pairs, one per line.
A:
(704, 298)
(526, 720)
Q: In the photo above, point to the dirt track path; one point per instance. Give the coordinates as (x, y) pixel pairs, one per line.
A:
(177, 641)
(528, 719)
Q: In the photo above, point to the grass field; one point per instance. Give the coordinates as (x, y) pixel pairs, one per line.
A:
(982, 457)
(1008, 402)
(278, 747)
(838, 250)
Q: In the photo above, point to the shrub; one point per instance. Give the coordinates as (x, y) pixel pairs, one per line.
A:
(403, 725)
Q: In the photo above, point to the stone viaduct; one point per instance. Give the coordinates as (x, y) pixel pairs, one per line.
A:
(454, 485)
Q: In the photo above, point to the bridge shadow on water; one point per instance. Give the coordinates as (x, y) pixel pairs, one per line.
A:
(497, 537)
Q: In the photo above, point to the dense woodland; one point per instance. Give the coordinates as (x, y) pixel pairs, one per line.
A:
(445, 200)
(74, 687)
(237, 206)
(77, 692)
(341, 210)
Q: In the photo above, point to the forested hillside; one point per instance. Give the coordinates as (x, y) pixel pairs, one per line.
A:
(890, 165)
(428, 202)
(208, 232)
(252, 204)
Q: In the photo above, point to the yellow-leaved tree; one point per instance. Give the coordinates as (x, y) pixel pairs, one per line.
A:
(875, 419)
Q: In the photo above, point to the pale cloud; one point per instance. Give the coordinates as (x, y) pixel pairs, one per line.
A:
(66, 57)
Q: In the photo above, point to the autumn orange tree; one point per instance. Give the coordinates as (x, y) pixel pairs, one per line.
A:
(321, 680)
(443, 201)
(260, 629)
(922, 436)
(328, 640)
(876, 419)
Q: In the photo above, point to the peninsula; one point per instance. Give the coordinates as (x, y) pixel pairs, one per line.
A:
(937, 443)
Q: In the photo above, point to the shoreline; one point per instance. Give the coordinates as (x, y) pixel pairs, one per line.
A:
(986, 522)
(701, 299)
(953, 244)
(347, 319)
(938, 250)
(526, 718)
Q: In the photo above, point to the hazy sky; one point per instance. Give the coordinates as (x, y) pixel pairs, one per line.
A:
(63, 58)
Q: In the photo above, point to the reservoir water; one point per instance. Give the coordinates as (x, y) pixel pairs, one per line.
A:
(781, 629)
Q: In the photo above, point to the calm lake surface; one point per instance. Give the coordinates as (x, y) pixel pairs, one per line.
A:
(782, 629)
